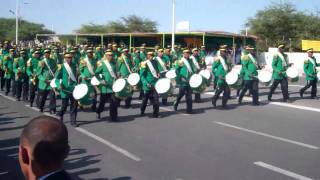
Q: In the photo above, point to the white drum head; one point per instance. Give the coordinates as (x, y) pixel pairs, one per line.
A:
(53, 83)
(318, 75)
(231, 78)
(80, 91)
(292, 72)
(209, 60)
(264, 76)
(95, 81)
(119, 85)
(133, 79)
(205, 73)
(195, 80)
(163, 85)
(171, 74)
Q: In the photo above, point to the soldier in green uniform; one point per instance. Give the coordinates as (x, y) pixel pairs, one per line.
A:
(143, 54)
(168, 57)
(99, 53)
(184, 70)
(310, 70)
(4, 52)
(88, 66)
(7, 65)
(67, 73)
(57, 56)
(250, 69)
(21, 78)
(32, 70)
(124, 68)
(280, 64)
(221, 67)
(163, 67)
(107, 75)
(149, 74)
(198, 64)
(46, 72)
(203, 53)
(115, 52)
(136, 69)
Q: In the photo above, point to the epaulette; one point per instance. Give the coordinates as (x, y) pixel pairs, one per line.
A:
(99, 63)
(216, 58)
(120, 59)
(143, 64)
(180, 62)
(245, 57)
(306, 61)
(16, 60)
(6, 58)
(59, 66)
(82, 61)
(29, 62)
(275, 55)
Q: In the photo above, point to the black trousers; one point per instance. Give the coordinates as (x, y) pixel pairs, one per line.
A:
(313, 85)
(73, 108)
(226, 94)
(153, 96)
(33, 90)
(197, 97)
(187, 91)
(253, 87)
(25, 88)
(8, 85)
(127, 102)
(2, 80)
(14, 88)
(284, 88)
(113, 108)
(43, 97)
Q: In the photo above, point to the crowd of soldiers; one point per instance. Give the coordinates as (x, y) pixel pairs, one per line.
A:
(28, 72)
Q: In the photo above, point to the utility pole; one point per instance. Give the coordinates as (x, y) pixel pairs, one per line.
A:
(17, 21)
(173, 25)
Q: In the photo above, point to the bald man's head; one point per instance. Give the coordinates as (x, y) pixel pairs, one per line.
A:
(46, 140)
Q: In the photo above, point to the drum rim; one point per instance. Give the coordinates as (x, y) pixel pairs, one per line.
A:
(115, 83)
(167, 82)
(200, 82)
(133, 77)
(234, 75)
(77, 89)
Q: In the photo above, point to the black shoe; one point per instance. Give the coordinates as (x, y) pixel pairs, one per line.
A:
(127, 106)
(93, 108)
(214, 103)
(313, 97)
(175, 107)
(61, 118)
(41, 109)
(31, 104)
(52, 111)
(197, 101)
(224, 106)
(190, 112)
(269, 99)
(18, 99)
(6, 93)
(74, 124)
(239, 101)
(141, 114)
(98, 116)
(155, 115)
(256, 104)
(301, 94)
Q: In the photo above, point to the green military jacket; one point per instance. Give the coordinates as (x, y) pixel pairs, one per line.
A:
(165, 62)
(84, 70)
(249, 68)
(32, 67)
(168, 58)
(44, 74)
(183, 75)
(280, 66)
(136, 61)
(58, 57)
(309, 68)
(202, 54)
(67, 84)
(7, 66)
(105, 77)
(19, 68)
(98, 55)
(143, 56)
(147, 76)
(219, 71)
(122, 68)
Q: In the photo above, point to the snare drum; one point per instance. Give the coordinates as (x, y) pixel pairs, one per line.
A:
(121, 88)
(197, 83)
(164, 87)
(82, 95)
(207, 76)
(133, 79)
(318, 76)
(171, 74)
(94, 81)
(233, 80)
(265, 77)
(292, 74)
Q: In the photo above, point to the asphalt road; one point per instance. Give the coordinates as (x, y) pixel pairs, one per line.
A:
(275, 141)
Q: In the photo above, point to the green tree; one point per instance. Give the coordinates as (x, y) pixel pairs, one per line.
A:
(282, 23)
(131, 23)
(27, 30)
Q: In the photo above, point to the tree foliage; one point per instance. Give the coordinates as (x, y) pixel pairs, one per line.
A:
(282, 23)
(27, 30)
(131, 23)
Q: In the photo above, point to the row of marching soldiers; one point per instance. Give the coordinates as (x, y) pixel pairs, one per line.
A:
(79, 77)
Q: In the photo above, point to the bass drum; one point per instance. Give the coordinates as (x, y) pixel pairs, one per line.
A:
(293, 74)
(164, 87)
(207, 76)
(82, 95)
(121, 88)
(233, 80)
(197, 83)
(265, 77)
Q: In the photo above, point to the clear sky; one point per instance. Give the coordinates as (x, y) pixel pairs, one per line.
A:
(65, 16)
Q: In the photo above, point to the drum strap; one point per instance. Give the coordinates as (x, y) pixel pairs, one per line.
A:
(151, 68)
(284, 61)
(313, 62)
(195, 62)
(126, 63)
(187, 65)
(50, 71)
(69, 71)
(161, 63)
(107, 64)
(253, 60)
(223, 62)
(90, 68)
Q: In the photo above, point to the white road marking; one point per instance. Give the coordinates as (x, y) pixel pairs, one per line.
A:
(8, 148)
(8, 97)
(281, 171)
(295, 85)
(268, 135)
(2, 173)
(109, 144)
(165, 109)
(295, 106)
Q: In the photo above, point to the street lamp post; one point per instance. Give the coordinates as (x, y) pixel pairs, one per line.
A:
(17, 21)
(173, 25)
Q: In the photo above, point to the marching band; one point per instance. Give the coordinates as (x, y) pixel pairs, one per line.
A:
(80, 75)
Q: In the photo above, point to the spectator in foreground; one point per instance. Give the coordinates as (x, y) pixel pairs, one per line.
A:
(43, 148)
